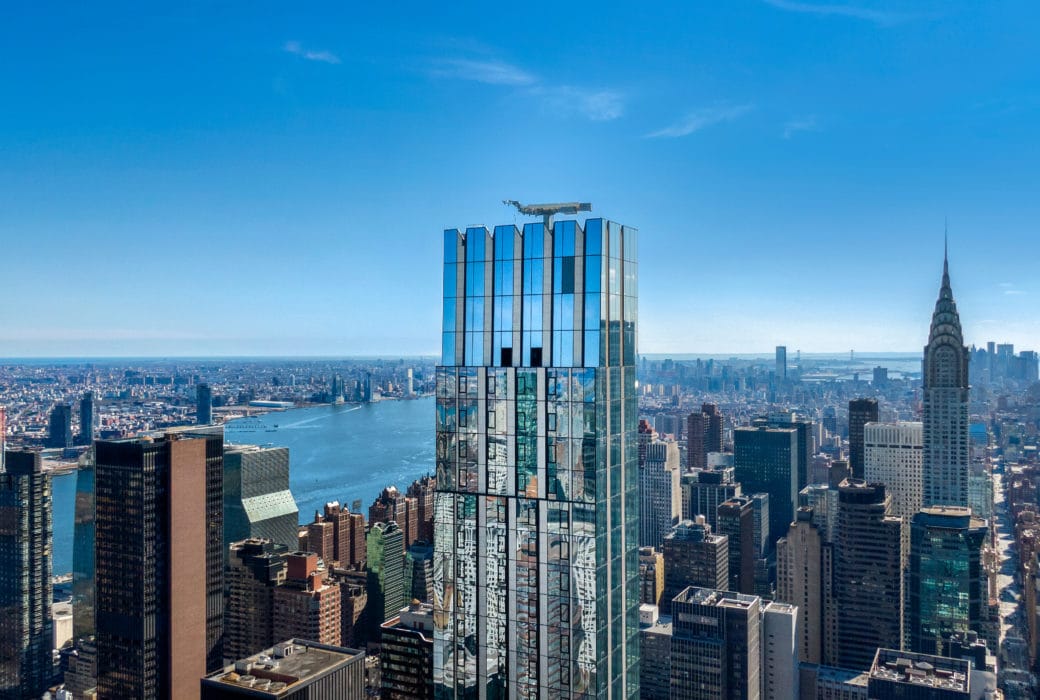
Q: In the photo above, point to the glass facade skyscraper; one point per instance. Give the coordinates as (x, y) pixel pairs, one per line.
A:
(946, 578)
(26, 535)
(536, 563)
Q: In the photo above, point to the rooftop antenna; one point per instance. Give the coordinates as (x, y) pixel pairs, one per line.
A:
(547, 211)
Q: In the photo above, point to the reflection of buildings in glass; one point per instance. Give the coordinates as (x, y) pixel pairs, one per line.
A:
(536, 513)
(83, 551)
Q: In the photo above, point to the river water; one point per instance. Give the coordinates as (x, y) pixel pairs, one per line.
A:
(336, 453)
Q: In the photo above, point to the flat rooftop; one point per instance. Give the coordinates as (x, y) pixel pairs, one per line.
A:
(921, 669)
(722, 599)
(284, 668)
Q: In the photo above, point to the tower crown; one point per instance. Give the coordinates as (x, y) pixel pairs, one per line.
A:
(946, 322)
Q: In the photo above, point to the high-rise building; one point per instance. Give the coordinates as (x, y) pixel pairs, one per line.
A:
(651, 576)
(83, 552)
(762, 546)
(861, 412)
(348, 536)
(800, 581)
(385, 572)
(392, 505)
(422, 491)
(159, 601)
(87, 419)
(655, 643)
(296, 669)
(823, 499)
(59, 432)
(406, 654)
(255, 568)
(781, 363)
(693, 556)
(703, 492)
(806, 447)
(321, 539)
(418, 572)
(713, 428)
(696, 430)
(536, 435)
(716, 638)
(779, 644)
(945, 416)
(26, 530)
(766, 459)
(658, 492)
(307, 605)
(946, 581)
(736, 520)
(203, 404)
(3, 435)
(257, 500)
(869, 554)
(892, 456)
(353, 600)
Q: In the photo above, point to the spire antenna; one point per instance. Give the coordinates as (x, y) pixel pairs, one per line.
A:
(946, 247)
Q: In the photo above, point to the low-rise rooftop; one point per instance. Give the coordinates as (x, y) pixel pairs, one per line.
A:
(921, 669)
(280, 670)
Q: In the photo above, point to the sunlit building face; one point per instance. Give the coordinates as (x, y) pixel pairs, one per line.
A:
(536, 512)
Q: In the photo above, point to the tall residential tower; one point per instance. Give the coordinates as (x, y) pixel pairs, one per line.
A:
(536, 512)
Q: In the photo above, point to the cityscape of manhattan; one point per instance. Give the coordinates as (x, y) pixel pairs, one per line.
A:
(587, 352)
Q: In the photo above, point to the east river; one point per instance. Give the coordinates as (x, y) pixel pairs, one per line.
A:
(336, 453)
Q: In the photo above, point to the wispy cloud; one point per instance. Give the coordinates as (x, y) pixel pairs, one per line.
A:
(294, 47)
(598, 105)
(491, 72)
(882, 17)
(1010, 289)
(595, 104)
(701, 119)
(793, 126)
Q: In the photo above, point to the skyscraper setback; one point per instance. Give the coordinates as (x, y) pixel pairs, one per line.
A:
(536, 510)
(945, 415)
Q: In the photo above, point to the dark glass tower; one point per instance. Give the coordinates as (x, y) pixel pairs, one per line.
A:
(945, 416)
(947, 589)
(26, 637)
(159, 600)
(766, 460)
(87, 419)
(203, 404)
(536, 511)
(59, 433)
(861, 412)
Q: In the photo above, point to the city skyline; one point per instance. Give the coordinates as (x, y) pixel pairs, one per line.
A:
(251, 168)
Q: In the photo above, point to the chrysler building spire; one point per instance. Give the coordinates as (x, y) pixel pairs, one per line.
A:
(945, 418)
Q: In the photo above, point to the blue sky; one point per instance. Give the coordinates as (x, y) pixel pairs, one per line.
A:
(257, 179)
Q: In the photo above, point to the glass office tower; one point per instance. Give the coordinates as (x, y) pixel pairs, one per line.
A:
(536, 563)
